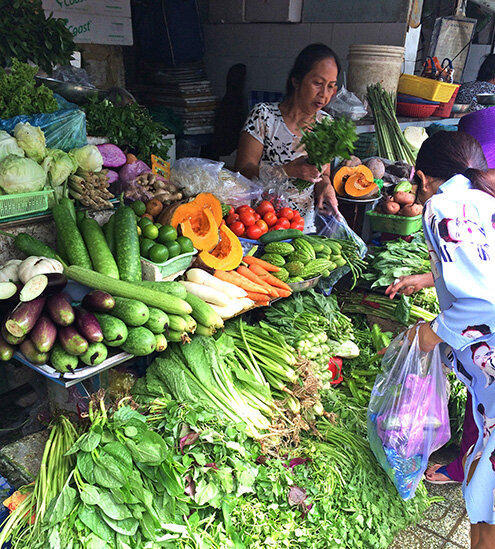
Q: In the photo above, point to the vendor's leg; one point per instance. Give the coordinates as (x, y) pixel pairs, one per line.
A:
(482, 536)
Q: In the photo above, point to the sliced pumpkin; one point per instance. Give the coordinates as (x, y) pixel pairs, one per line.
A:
(357, 186)
(210, 201)
(202, 230)
(227, 254)
(193, 210)
(343, 174)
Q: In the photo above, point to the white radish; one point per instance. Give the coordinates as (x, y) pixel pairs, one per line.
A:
(235, 307)
(199, 276)
(210, 295)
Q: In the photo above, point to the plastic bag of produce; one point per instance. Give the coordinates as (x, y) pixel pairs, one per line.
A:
(345, 103)
(408, 417)
(64, 129)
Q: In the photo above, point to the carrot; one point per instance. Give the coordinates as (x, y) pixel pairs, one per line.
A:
(240, 281)
(284, 293)
(258, 298)
(251, 260)
(244, 271)
(267, 277)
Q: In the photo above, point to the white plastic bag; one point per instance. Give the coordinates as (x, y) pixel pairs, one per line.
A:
(345, 103)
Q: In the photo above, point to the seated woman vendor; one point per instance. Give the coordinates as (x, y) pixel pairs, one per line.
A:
(268, 146)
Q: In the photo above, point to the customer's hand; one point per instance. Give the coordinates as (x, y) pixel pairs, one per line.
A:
(407, 285)
(301, 169)
(325, 197)
(427, 338)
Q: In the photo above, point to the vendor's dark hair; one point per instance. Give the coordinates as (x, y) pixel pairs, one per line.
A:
(487, 69)
(448, 153)
(304, 63)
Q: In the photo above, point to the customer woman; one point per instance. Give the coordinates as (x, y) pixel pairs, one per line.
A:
(268, 146)
(459, 193)
(484, 83)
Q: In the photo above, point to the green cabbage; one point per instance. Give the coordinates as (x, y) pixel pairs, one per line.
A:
(32, 140)
(8, 145)
(88, 158)
(21, 175)
(58, 165)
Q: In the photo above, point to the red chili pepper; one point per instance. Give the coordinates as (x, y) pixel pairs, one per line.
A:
(335, 368)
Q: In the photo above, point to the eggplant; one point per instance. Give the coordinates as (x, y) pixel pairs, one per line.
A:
(7, 290)
(88, 325)
(60, 309)
(44, 334)
(96, 354)
(44, 285)
(6, 350)
(9, 338)
(98, 301)
(23, 318)
(72, 341)
(31, 353)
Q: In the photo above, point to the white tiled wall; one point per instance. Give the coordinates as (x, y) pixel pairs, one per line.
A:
(269, 50)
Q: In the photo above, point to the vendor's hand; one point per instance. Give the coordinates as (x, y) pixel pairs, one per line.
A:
(326, 199)
(301, 169)
(428, 339)
(407, 285)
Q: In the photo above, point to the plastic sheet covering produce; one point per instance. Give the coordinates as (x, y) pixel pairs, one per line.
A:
(407, 414)
(64, 129)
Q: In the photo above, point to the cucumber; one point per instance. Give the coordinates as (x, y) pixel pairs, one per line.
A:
(205, 330)
(157, 321)
(101, 256)
(161, 343)
(139, 342)
(203, 313)
(29, 245)
(181, 323)
(6, 350)
(177, 337)
(109, 232)
(167, 286)
(121, 288)
(114, 330)
(282, 234)
(69, 235)
(127, 244)
(96, 354)
(62, 361)
(131, 311)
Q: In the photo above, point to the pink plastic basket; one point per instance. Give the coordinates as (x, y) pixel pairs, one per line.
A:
(416, 110)
(444, 109)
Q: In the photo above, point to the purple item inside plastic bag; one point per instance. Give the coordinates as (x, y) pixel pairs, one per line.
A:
(129, 172)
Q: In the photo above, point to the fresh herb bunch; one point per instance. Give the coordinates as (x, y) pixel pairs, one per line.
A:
(19, 94)
(127, 126)
(325, 140)
(27, 34)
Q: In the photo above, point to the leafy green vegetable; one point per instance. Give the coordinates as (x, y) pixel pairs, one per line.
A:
(8, 145)
(31, 139)
(59, 165)
(127, 126)
(325, 140)
(87, 158)
(21, 175)
(18, 91)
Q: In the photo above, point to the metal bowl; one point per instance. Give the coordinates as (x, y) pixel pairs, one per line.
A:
(460, 107)
(486, 98)
(75, 93)
(305, 284)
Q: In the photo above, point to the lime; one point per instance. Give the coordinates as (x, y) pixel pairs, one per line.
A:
(185, 244)
(167, 234)
(139, 207)
(144, 221)
(145, 244)
(158, 253)
(150, 231)
(173, 248)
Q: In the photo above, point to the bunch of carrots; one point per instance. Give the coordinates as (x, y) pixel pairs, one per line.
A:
(257, 280)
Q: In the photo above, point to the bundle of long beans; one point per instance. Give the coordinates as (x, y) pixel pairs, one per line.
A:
(390, 139)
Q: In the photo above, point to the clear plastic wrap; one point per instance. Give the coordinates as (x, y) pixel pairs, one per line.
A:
(407, 415)
(345, 103)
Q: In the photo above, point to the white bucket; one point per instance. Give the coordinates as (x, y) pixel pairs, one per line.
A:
(369, 64)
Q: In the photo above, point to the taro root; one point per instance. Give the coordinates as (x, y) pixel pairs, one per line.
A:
(377, 167)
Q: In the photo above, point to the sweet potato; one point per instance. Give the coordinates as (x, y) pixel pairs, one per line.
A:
(389, 207)
(404, 198)
(411, 210)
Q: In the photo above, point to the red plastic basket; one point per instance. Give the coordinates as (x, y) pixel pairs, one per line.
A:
(416, 110)
(444, 109)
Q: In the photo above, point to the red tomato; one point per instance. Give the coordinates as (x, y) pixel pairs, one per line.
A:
(297, 225)
(284, 222)
(277, 227)
(247, 218)
(262, 225)
(254, 232)
(231, 211)
(244, 208)
(270, 218)
(231, 218)
(264, 207)
(257, 216)
(237, 228)
(297, 215)
(286, 212)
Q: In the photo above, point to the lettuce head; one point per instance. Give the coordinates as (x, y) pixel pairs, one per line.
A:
(21, 175)
(59, 166)
(8, 145)
(88, 158)
(32, 140)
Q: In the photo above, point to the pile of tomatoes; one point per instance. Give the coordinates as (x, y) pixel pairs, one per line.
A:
(252, 223)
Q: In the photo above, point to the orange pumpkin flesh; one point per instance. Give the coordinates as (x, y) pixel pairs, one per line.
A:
(227, 254)
(210, 201)
(357, 186)
(202, 230)
(343, 174)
